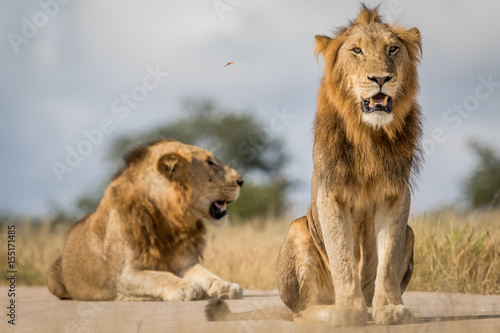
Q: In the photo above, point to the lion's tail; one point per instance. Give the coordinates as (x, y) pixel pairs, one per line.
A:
(218, 310)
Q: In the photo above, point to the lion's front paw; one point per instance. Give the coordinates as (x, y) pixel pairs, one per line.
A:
(223, 289)
(187, 291)
(348, 316)
(392, 315)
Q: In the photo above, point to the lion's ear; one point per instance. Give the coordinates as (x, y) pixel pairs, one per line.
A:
(412, 40)
(167, 163)
(321, 45)
(174, 165)
(329, 47)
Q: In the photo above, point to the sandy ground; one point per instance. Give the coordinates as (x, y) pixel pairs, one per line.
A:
(39, 311)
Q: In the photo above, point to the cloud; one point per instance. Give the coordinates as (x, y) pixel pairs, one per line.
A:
(66, 78)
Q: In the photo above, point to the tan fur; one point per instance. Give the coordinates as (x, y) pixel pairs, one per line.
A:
(146, 239)
(354, 249)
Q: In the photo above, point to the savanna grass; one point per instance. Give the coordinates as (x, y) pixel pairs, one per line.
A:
(457, 252)
(454, 251)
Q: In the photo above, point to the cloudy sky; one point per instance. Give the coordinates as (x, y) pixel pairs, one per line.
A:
(67, 67)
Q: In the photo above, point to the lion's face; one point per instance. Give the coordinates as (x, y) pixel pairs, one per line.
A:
(208, 184)
(375, 65)
(374, 58)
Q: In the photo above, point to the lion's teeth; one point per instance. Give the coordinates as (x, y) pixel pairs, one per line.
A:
(384, 103)
(222, 206)
(372, 103)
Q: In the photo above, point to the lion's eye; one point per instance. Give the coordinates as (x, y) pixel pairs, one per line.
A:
(357, 50)
(211, 163)
(393, 50)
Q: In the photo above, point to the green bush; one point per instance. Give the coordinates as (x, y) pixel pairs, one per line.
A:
(481, 188)
(237, 138)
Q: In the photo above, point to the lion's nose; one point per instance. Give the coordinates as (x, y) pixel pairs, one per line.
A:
(380, 80)
(240, 181)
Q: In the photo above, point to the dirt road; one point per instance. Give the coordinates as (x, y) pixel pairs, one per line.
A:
(36, 310)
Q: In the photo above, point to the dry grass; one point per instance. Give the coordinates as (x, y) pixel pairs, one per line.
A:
(37, 246)
(246, 253)
(454, 252)
(457, 252)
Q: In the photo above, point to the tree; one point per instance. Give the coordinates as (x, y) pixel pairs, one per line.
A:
(239, 140)
(482, 187)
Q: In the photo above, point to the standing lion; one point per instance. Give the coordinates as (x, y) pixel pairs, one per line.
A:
(146, 238)
(354, 248)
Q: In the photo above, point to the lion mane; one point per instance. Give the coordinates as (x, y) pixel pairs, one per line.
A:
(357, 156)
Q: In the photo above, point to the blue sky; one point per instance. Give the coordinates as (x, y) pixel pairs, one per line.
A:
(67, 69)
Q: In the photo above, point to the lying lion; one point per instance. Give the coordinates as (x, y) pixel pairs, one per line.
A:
(354, 248)
(146, 238)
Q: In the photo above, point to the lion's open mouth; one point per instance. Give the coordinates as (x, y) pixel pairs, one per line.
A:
(379, 102)
(218, 209)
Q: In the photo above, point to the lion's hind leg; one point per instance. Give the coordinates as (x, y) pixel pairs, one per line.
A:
(55, 280)
(407, 268)
(304, 281)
